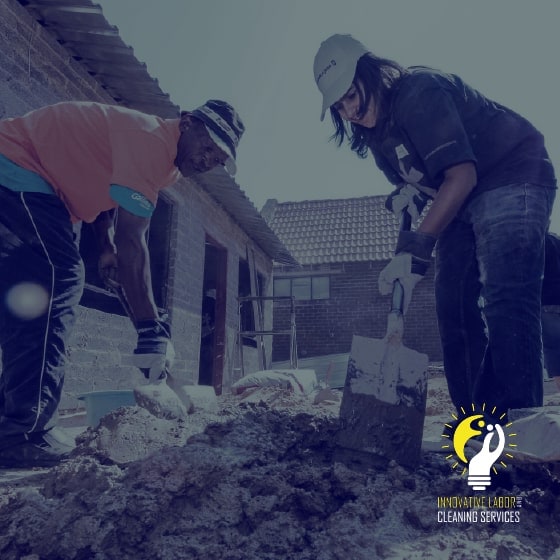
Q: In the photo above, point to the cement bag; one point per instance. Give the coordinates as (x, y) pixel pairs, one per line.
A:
(296, 381)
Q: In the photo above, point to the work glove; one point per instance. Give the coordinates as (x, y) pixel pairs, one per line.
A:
(154, 353)
(407, 198)
(409, 265)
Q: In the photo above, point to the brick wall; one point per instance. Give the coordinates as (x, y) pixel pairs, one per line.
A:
(35, 71)
(356, 307)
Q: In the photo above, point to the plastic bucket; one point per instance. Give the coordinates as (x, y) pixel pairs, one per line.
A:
(100, 403)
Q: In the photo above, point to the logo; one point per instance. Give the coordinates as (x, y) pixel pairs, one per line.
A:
(478, 445)
(321, 74)
(142, 200)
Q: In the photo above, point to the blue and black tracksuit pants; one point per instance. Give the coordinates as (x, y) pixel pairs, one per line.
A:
(37, 246)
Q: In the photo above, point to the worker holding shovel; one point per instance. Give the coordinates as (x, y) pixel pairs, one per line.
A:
(72, 162)
(493, 187)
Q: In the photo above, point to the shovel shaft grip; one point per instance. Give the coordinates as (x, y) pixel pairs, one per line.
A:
(397, 297)
(117, 289)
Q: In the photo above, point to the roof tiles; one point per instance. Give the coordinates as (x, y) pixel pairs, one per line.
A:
(336, 230)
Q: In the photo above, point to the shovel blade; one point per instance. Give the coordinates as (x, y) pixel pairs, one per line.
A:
(384, 401)
(160, 400)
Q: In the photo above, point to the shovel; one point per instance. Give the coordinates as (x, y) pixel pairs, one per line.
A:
(384, 399)
(164, 397)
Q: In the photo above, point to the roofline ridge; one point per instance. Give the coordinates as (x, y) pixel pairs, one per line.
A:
(318, 200)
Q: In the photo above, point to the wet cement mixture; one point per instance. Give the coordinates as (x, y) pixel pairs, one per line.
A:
(261, 479)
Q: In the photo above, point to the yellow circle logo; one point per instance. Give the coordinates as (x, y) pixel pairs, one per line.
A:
(477, 445)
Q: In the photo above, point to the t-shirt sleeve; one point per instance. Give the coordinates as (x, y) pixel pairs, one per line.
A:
(429, 117)
(133, 201)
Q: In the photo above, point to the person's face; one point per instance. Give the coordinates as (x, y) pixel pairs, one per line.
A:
(196, 151)
(348, 107)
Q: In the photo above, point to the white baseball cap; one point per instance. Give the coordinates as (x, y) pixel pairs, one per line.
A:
(334, 67)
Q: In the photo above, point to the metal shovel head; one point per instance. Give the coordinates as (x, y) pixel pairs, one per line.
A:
(160, 400)
(384, 401)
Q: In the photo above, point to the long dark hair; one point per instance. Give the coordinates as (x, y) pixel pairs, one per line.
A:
(377, 76)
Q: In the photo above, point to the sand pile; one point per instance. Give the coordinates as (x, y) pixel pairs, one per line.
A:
(258, 480)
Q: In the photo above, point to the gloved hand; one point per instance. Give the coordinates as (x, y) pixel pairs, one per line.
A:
(154, 353)
(407, 197)
(412, 259)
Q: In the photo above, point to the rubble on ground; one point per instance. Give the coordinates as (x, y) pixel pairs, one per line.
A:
(260, 478)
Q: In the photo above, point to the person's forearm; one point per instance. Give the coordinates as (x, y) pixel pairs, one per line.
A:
(454, 190)
(104, 230)
(135, 277)
(444, 208)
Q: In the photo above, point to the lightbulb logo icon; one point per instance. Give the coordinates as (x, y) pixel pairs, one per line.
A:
(489, 436)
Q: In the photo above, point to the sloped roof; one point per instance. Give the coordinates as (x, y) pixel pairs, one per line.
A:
(228, 194)
(334, 231)
(81, 28)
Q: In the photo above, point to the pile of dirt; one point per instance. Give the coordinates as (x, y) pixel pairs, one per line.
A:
(260, 479)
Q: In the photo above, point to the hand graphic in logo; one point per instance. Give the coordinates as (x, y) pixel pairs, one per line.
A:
(481, 463)
(470, 428)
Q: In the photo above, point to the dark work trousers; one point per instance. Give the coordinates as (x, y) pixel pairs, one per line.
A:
(37, 246)
(489, 269)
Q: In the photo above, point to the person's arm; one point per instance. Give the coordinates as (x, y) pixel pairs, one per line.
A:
(458, 183)
(414, 248)
(134, 264)
(104, 231)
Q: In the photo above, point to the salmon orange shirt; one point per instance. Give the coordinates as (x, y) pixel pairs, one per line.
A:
(82, 148)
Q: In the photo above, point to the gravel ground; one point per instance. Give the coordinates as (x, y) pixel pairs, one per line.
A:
(261, 479)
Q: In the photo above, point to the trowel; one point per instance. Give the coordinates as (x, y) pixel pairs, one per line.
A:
(384, 399)
(163, 398)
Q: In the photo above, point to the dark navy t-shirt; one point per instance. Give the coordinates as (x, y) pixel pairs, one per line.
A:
(437, 121)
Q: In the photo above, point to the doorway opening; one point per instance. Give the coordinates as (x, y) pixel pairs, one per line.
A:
(213, 316)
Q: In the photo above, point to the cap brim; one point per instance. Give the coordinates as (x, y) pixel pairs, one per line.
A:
(337, 90)
(230, 165)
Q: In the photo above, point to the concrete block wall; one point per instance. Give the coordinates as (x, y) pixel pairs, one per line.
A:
(35, 71)
(356, 307)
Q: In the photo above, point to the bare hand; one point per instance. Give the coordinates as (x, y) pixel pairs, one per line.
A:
(107, 268)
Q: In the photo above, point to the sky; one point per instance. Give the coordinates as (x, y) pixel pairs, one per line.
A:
(258, 56)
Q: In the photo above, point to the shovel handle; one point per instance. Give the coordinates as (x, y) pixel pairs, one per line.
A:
(397, 297)
(116, 289)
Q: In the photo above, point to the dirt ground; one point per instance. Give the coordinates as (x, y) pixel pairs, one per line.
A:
(261, 479)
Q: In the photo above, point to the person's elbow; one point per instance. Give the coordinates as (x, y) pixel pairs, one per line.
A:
(462, 175)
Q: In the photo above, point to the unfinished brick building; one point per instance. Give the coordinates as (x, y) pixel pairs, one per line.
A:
(206, 237)
(342, 245)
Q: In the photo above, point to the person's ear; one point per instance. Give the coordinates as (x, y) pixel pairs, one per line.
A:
(185, 122)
